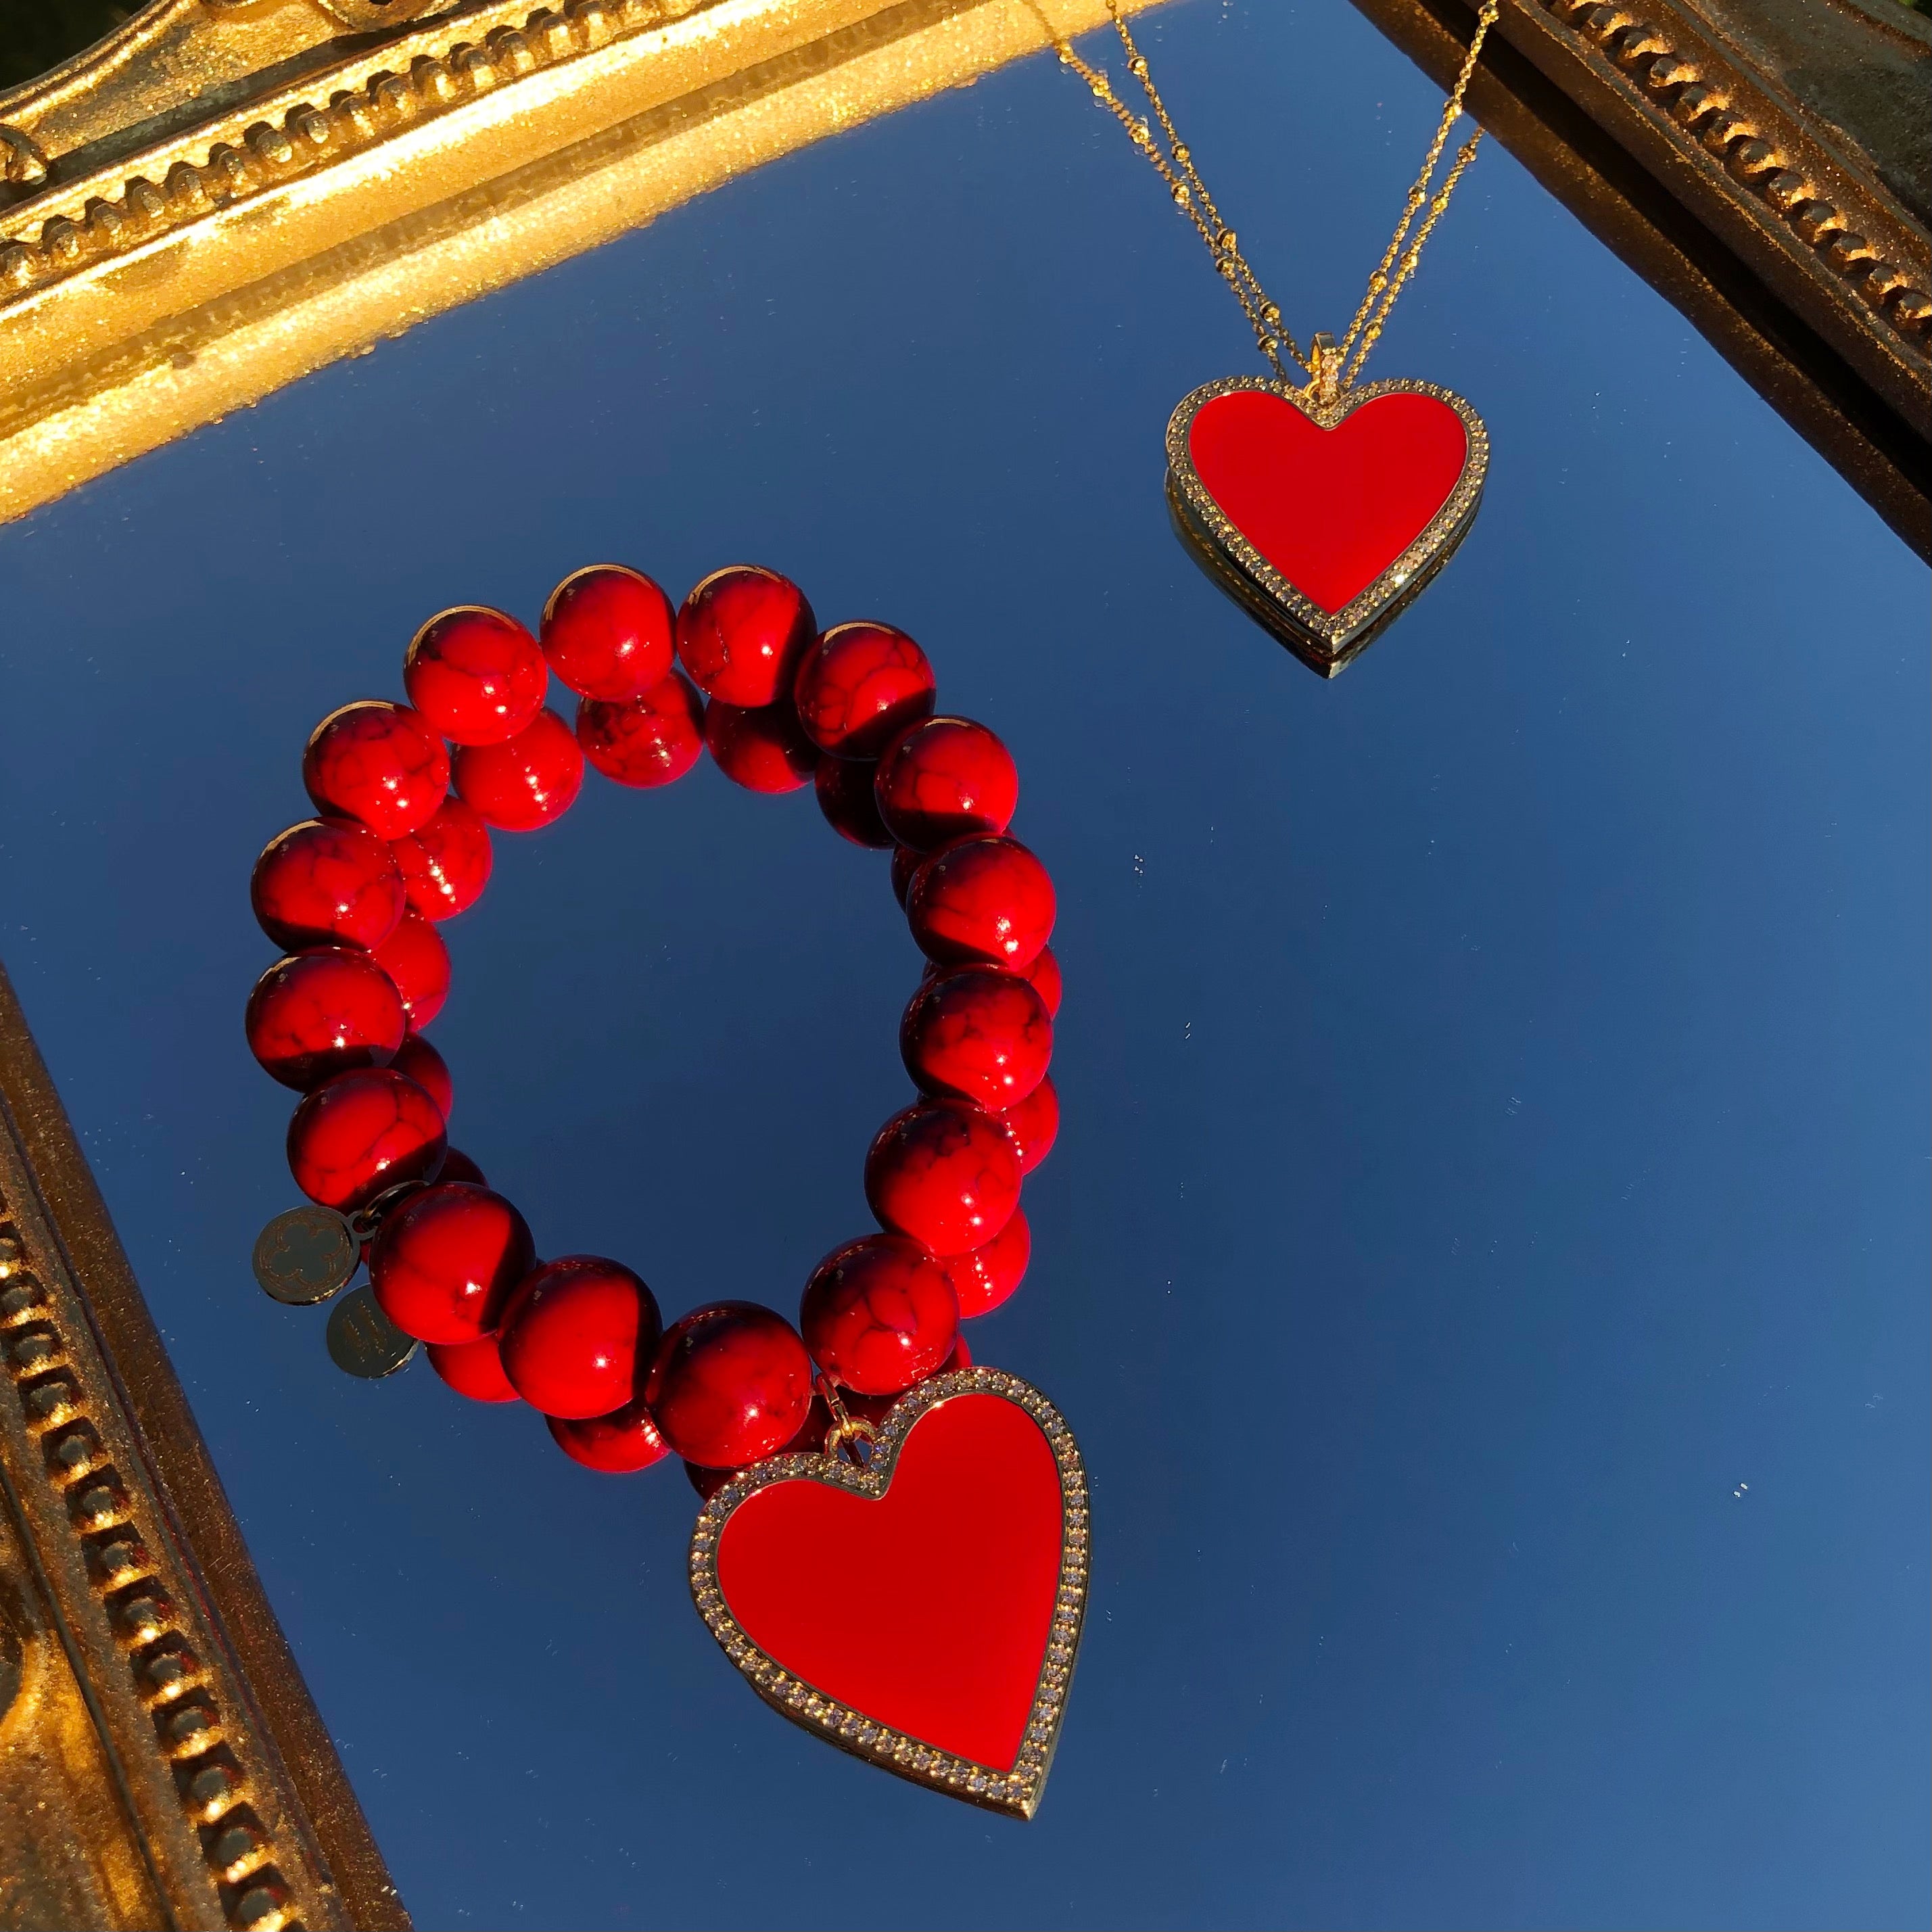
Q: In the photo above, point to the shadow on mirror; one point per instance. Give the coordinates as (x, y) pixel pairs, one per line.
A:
(35, 38)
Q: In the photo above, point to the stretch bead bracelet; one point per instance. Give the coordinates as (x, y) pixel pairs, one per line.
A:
(408, 795)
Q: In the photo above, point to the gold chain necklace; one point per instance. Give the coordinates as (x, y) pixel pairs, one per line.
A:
(1324, 532)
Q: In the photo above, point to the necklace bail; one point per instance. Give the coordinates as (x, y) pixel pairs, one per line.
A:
(1324, 370)
(847, 1429)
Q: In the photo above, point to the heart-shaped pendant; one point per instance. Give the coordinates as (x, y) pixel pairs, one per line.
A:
(1324, 519)
(923, 1611)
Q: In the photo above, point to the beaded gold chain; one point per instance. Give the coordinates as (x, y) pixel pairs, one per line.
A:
(1331, 367)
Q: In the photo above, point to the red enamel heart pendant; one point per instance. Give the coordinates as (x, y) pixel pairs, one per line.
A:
(921, 1611)
(1324, 519)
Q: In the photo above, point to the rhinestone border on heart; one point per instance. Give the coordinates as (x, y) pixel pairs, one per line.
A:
(1016, 1792)
(1324, 641)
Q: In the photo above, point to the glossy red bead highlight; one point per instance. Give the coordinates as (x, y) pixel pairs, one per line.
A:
(845, 788)
(652, 740)
(945, 778)
(618, 1444)
(981, 901)
(944, 1173)
(977, 1033)
(447, 1260)
(577, 1336)
(731, 1383)
(764, 750)
(473, 1368)
(983, 1277)
(526, 782)
(879, 1315)
(476, 674)
(860, 686)
(742, 632)
(607, 632)
(1033, 1126)
(416, 960)
(362, 1133)
(416, 1060)
(445, 863)
(322, 1012)
(327, 883)
(380, 764)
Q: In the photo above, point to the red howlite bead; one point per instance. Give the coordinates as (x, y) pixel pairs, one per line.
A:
(977, 1034)
(473, 1368)
(1033, 1126)
(321, 1013)
(577, 1336)
(860, 687)
(982, 900)
(606, 631)
(905, 862)
(945, 778)
(742, 632)
(525, 782)
(945, 1174)
(962, 1357)
(476, 674)
(1044, 974)
(326, 883)
(447, 1260)
(651, 740)
(983, 1277)
(618, 1444)
(415, 958)
(445, 863)
(731, 1383)
(764, 750)
(416, 1060)
(457, 1165)
(379, 764)
(810, 1441)
(879, 1315)
(362, 1133)
(845, 787)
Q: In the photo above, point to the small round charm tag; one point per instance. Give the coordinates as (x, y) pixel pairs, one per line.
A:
(363, 1341)
(305, 1255)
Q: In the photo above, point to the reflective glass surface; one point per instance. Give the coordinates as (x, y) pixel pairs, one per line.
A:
(1485, 1258)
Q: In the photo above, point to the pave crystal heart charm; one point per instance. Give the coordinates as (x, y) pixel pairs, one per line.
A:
(1324, 519)
(921, 1611)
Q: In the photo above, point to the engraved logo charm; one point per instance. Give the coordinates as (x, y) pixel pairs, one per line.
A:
(305, 1255)
(363, 1341)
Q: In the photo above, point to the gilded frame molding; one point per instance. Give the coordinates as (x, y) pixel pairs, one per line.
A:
(1771, 230)
(164, 1763)
(160, 267)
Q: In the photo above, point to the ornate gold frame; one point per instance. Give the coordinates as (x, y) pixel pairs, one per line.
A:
(226, 194)
(1015, 1793)
(1324, 641)
(163, 1763)
(1704, 169)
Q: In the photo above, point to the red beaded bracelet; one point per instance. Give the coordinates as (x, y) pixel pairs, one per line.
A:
(953, 1494)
